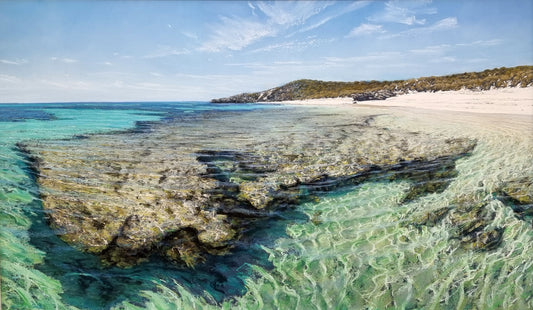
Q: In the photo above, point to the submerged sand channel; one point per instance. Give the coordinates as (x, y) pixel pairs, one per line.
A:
(193, 187)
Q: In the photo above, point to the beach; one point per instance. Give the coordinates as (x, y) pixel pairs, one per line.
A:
(496, 101)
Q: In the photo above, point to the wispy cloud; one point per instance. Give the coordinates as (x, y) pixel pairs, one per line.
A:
(190, 35)
(404, 13)
(251, 6)
(291, 12)
(165, 51)
(15, 62)
(285, 63)
(365, 29)
(67, 84)
(236, 33)
(446, 59)
(446, 23)
(9, 78)
(295, 45)
(493, 42)
(431, 50)
(64, 60)
(350, 8)
(443, 24)
(372, 57)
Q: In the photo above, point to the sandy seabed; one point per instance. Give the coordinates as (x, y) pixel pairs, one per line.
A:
(497, 101)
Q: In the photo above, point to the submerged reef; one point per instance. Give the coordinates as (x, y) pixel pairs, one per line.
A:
(192, 186)
(519, 194)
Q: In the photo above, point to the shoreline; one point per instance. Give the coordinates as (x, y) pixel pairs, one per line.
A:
(513, 100)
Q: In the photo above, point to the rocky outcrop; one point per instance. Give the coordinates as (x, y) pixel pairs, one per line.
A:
(373, 95)
(240, 98)
(289, 91)
(470, 224)
(191, 188)
(518, 193)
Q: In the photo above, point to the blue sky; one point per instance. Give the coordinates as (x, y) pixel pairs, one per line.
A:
(198, 50)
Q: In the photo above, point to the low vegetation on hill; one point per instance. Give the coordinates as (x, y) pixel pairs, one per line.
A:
(520, 76)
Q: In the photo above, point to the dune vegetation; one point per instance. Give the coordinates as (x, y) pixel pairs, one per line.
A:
(521, 76)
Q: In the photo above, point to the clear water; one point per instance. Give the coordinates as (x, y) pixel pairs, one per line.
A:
(357, 255)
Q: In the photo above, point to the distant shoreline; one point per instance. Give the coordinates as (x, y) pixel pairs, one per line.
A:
(511, 100)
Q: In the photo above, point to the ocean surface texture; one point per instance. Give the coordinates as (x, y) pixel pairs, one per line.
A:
(339, 207)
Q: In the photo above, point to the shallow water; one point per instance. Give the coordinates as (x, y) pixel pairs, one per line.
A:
(352, 248)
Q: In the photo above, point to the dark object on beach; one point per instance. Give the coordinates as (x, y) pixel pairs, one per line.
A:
(373, 95)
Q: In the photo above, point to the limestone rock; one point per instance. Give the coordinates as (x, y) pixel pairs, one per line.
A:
(519, 192)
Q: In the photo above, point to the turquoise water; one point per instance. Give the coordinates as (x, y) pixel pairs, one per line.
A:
(36, 266)
(357, 252)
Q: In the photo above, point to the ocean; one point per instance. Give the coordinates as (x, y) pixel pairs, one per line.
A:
(347, 219)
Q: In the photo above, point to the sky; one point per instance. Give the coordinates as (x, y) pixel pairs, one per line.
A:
(56, 51)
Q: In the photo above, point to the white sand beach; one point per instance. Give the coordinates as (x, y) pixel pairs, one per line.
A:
(321, 101)
(496, 101)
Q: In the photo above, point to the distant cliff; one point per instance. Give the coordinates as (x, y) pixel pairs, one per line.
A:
(520, 76)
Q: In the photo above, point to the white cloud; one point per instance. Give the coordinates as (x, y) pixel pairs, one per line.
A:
(9, 78)
(373, 57)
(67, 84)
(443, 24)
(431, 50)
(290, 45)
(492, 42)
(285, 63)
(236, 33)
(446, 59)
(446, 23)
(64, 60)
(251, 6)
(190, 35)
(289, 13)
(404, 12)
(15, 62)
(165, 51)
(352, 7)
(366, 29)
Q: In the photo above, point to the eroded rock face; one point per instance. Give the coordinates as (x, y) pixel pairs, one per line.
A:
(188, 188)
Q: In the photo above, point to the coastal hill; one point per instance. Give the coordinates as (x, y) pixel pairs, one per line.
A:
(521, 76)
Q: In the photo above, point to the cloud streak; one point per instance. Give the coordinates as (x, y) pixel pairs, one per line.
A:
(64, 60)
(365, 29)
(271, 18)
(16, 62)
(404, 13)
(165, 51)
(441, 25)
(352, 7)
